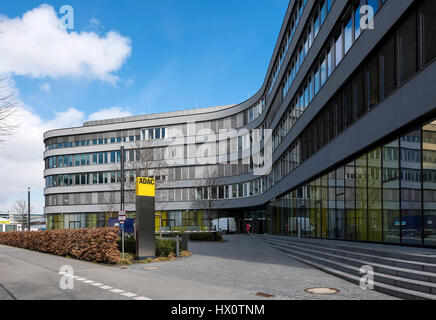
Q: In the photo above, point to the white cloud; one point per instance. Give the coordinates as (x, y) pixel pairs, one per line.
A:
(21, 163)
(111, 113)
(35, 45)
(21, 155)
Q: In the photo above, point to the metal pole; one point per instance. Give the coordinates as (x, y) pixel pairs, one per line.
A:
(177, 246)
(160, 226)
(122, 195)
(28, 208)
(299, 228)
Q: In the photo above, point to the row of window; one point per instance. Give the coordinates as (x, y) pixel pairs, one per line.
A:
(289, 35)
(176, 131)
(336, 48)
(190, 220)
(77, 179)
(170, 174)
(84, 159)
(408, 48)
(88, 142)
(172, 152)
(246, 189)
(313, 27)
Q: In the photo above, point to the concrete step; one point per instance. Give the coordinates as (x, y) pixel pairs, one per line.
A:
(347, 265)
(383, 250)
(426, 269)
(358, 260)
(401, 293)
(403, 274)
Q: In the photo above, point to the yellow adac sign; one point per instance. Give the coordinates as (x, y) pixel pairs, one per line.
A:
(145, 187)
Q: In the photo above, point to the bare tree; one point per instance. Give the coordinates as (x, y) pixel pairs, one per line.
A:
(19, 213)
(148, 161)
(206, 194)
(8, 107)
(145, 159)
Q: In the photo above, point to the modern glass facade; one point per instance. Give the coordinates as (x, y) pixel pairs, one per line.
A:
(387, 194)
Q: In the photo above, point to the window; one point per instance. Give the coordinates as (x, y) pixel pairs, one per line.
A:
(407, 58)
(330, 63)
(317, 81)
(339, 114)
(374, 5)
(427, 13)
(316, 22)
(323, 71)
(323, 12)
(357, 18)
(371, 82)
(339, 46)
(359, 105)
(348, 104)
(348, 33)
(387, 67)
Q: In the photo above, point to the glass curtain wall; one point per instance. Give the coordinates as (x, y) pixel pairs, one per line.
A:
(387, 194)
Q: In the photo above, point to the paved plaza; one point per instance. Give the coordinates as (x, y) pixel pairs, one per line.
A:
(247, 263)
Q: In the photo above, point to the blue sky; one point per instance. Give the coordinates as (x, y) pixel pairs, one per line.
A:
(184, 53)
(122, 58)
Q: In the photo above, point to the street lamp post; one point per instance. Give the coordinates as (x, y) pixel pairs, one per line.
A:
(122, 196)
(28, 208)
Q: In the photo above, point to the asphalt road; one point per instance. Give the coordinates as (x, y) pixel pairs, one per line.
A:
(28, 275)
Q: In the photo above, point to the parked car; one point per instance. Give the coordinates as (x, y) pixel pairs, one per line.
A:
(225, 225)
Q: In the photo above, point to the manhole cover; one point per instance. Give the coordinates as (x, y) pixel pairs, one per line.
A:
(123, 268)
(265, 295)
(151, 268)
(322, 291)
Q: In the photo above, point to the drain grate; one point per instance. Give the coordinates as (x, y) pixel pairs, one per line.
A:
(322, 291)
(264, 295)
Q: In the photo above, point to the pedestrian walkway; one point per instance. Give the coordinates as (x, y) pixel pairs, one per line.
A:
(248, 263)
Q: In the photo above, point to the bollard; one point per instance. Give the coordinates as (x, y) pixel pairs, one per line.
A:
(185, 240)
(177, 246)
(299, 230)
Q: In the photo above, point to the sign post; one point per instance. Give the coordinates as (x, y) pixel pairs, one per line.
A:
(145, 218)
(121, 219)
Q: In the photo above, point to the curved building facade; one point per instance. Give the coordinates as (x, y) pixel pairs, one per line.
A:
(340, 140)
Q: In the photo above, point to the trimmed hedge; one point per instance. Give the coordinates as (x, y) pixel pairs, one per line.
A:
(99, 245)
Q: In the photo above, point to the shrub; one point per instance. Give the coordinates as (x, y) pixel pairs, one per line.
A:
(164, 247)
(206, 236)
(99, 245)
(129, 245)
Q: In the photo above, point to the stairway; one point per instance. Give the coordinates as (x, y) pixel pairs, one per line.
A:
(402, 272)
